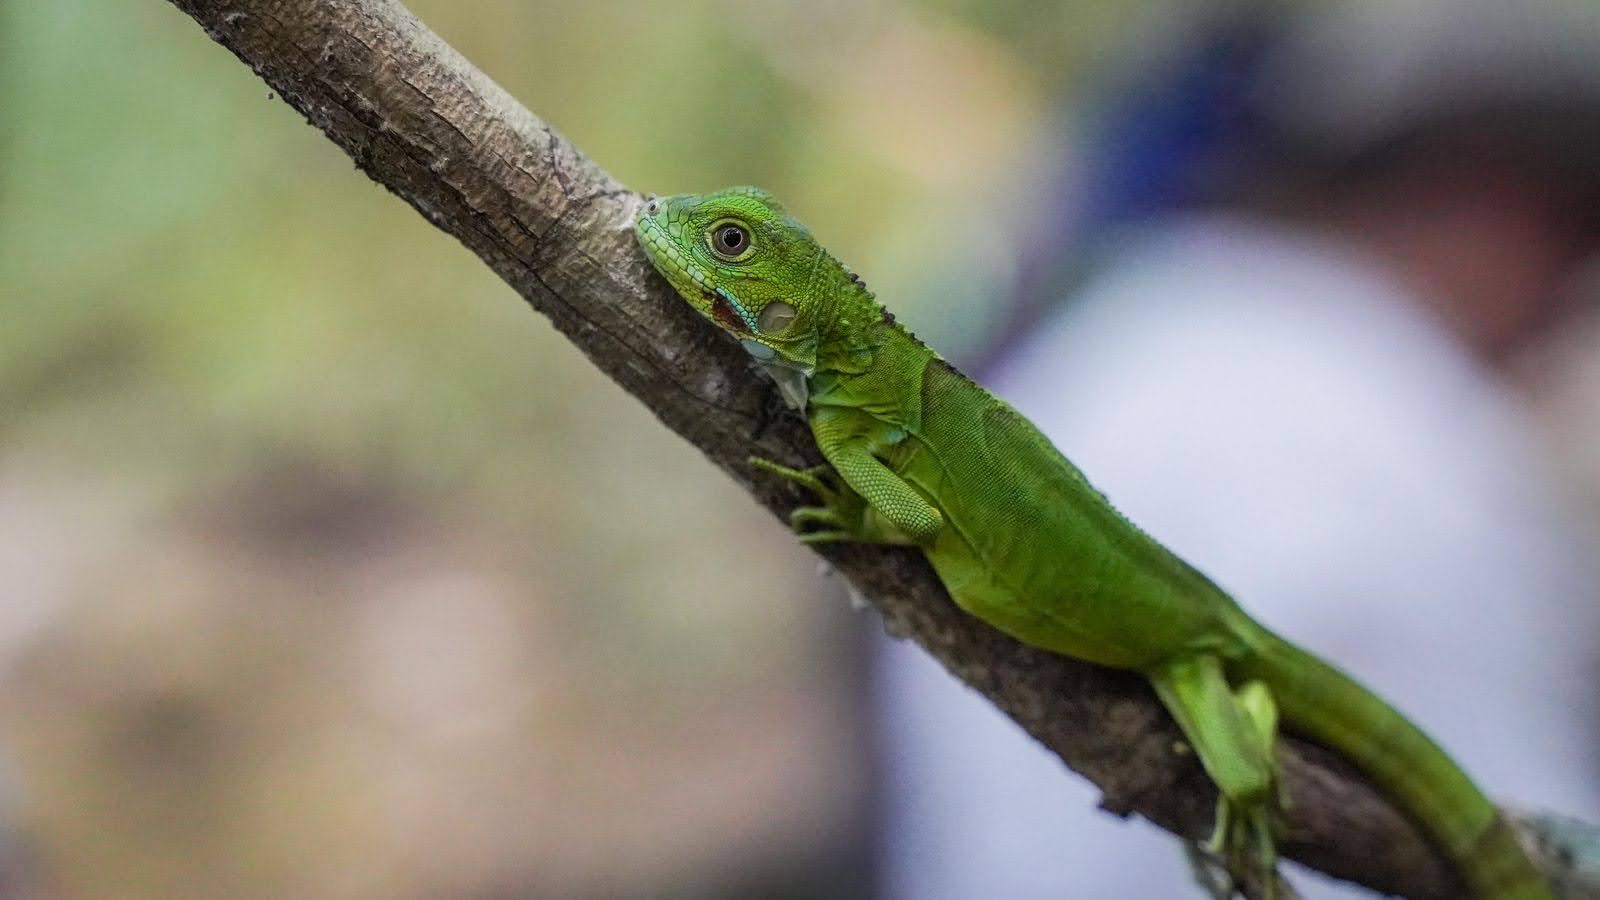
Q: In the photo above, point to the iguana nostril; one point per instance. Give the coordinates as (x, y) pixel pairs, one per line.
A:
(653, 206)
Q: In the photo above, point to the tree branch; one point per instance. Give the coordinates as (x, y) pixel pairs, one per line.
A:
(424, 123)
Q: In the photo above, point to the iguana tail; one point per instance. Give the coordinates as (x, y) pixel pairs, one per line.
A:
(1325, 705)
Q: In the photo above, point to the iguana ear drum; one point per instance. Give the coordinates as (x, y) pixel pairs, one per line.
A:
(775, 317)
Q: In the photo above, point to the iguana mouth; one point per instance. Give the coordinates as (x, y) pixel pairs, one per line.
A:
(722, 310)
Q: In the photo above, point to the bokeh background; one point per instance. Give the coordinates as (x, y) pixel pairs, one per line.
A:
(328, 570)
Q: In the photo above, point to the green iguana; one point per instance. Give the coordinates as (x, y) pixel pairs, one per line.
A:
(918, 454)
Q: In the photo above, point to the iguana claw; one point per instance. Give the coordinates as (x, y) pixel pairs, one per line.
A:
(840, 515)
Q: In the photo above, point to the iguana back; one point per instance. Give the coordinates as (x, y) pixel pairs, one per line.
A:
(1063, 568)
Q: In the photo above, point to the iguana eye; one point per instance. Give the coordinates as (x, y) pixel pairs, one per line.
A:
(730, 241)
(775, 317)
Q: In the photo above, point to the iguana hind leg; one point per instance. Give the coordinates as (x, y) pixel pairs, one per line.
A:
(1233, 733)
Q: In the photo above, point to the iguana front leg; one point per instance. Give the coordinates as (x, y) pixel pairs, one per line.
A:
(863, 500)
(842, 515)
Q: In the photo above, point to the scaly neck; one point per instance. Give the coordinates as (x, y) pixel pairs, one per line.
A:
(875, 365)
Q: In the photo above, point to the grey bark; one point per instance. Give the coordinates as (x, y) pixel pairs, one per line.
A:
(426, 124)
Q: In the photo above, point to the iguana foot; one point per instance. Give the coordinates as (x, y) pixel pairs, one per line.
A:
(1241, 857)
(1208, 871)
(839, 517)
(811, 479)
(842, 514)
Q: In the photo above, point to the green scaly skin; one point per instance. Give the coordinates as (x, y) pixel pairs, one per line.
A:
(918, 454)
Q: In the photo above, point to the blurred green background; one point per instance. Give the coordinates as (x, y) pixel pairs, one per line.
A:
(328, 570)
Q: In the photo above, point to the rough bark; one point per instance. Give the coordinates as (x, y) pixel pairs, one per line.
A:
(424, 123)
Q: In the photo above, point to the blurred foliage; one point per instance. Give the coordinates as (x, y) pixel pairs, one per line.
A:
(330, 571)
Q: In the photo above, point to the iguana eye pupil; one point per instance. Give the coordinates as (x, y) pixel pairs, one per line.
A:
(730, 240)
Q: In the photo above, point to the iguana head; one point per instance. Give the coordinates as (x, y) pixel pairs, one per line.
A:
(745, 264)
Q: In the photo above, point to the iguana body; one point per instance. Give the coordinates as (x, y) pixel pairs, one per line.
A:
(919, 454)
